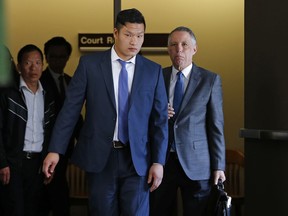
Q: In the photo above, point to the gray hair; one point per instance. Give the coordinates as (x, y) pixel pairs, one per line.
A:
(185, 29)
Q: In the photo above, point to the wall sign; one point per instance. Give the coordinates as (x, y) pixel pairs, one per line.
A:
(98, 42)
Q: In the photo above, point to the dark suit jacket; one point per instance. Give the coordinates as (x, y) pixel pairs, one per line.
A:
(50, 86)
(198, 128)
(92, 84)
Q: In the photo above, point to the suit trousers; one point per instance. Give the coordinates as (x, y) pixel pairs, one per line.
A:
(118, 189)
(56, 193)
(194, 194)
(21, 197)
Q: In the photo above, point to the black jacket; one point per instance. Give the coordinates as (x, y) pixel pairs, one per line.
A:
(13, 119)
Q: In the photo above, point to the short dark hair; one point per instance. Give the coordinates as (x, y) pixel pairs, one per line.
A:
(26, 49)
(57, 41)
(131, 16)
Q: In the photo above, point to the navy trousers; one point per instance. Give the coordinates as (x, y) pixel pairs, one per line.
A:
(118, 189)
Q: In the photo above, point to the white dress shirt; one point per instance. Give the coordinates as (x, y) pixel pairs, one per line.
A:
(116, 68)
(34, 134)
(186, 72)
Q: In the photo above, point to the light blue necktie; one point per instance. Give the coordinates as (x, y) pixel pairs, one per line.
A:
(178, 92)
(123, 101)
(178, 95)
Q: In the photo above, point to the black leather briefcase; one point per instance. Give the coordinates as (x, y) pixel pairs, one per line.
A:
(219, 203)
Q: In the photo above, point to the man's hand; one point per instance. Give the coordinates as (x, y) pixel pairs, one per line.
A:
(48, 180)
(155, 176)
(218, 174)
(49, 164)
(171, 112)
(5, 175)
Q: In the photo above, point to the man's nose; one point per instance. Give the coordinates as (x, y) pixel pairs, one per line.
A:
(133, 40)
(179, 48)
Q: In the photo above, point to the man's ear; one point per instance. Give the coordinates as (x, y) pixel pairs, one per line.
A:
(115, 32)
(18, 68)
(195, 49)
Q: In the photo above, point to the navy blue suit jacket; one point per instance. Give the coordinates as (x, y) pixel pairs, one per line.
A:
(92, 85)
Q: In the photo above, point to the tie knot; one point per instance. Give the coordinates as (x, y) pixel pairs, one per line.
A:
(123, 63)
(179, 74)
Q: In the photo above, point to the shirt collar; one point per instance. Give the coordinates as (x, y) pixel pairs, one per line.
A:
(115, 57)
(55, 75)
(186, 71)
(24, 85)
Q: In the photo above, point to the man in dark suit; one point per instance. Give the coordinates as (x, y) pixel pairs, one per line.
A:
(120, 167)
(57, 52)
(196, 152)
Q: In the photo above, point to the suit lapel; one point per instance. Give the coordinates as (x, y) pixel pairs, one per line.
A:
(67, 79)
(106, 70)
(50, 79)
(194, 80)
(138, 78)
(167, 79)
(50, 83)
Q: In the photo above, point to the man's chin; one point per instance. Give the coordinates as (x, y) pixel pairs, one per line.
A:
(133, 52)
(178, 67)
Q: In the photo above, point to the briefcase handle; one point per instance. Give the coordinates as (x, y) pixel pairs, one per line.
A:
(220, 184)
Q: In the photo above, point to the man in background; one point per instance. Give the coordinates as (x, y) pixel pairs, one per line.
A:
(27, 115)
(196, 152)
(57, 51)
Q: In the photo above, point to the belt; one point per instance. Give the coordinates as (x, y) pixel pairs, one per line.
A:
(31, 155)
(118, 145)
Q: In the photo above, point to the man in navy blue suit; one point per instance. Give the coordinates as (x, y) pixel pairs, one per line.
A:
(120, 173)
